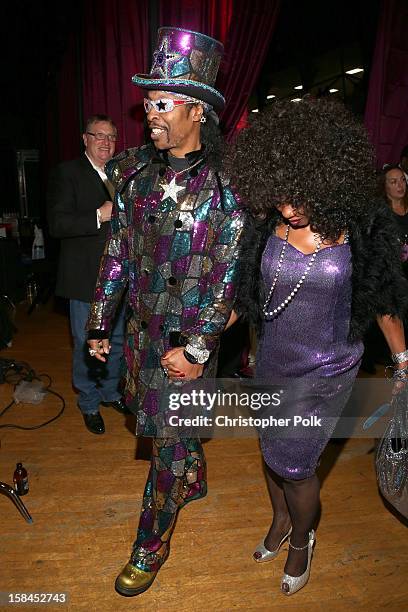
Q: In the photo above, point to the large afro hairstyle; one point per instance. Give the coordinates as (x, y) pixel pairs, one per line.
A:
(313, 154)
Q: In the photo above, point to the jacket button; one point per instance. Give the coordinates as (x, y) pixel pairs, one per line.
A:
(178, 224)
(151, 218)
(172, 280)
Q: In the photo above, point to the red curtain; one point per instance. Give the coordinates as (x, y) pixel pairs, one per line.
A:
(245, 28)
(252, 26)
(63, 129)
(386, 116)
(211, 17)
(115, 47)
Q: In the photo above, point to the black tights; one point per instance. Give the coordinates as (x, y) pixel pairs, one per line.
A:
(296, 503)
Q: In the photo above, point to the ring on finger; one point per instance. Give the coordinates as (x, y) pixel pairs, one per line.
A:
(92, 352)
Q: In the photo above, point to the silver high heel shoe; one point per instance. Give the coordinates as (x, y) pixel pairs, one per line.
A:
(295, 583)
(262, 554)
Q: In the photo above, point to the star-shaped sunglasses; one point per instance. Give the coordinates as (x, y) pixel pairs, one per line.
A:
(164, 105)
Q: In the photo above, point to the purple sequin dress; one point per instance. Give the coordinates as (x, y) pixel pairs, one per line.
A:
(308, 344)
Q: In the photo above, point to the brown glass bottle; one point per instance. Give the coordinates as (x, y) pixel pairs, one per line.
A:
(20, 480)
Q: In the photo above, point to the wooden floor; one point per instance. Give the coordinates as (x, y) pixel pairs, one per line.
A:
(85, 495)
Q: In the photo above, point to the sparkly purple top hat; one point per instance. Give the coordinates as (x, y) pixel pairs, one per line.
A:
(185, 62)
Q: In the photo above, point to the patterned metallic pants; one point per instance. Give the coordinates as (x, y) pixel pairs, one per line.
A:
(177, 476)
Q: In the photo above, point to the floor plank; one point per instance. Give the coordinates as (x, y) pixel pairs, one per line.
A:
(85, 495)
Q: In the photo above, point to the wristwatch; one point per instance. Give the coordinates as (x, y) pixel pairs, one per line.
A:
(189, 357)
(198, 355)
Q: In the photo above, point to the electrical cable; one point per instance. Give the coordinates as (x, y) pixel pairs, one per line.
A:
(7, 407)
(24, 372)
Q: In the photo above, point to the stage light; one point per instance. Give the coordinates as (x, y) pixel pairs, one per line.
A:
(270, 96)
(255, 110)
(298, 87)
(296, 99)
(333, 90)
(354, 70)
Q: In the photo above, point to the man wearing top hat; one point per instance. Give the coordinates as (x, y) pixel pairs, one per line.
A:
(174, 242)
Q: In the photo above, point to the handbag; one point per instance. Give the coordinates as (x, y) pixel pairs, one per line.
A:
(391, 459)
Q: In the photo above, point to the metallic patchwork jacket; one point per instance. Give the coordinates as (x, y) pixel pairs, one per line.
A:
(174, 244)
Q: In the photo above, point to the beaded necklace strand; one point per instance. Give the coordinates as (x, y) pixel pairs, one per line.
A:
(272, 313)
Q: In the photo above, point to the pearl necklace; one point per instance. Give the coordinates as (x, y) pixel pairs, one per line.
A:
(272, 313)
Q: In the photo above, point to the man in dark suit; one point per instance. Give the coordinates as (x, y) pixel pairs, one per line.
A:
(79, 212)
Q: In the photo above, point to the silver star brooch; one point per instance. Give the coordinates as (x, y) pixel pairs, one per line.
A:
(171, 190)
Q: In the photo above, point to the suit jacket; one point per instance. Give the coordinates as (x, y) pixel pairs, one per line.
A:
(75, 191)
(178, 261)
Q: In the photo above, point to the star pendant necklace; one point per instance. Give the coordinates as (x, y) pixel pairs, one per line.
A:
(271, 314)
(171, 189)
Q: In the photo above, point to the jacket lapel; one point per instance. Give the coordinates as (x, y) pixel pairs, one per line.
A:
(96, 179)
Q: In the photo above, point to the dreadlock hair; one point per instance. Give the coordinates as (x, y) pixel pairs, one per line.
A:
(213, 140)
(313, 154)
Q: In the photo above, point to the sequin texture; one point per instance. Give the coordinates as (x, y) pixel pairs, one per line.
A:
(316, 355)
(179, 261)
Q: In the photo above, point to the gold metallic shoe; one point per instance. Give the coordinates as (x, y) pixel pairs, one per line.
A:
(263, 554)
(133, 581)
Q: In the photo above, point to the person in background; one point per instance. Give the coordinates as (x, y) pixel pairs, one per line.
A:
(79, 201)
(393, 188)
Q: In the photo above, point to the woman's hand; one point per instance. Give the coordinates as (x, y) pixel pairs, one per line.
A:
(399, 384)
(393, 331)
(233, 318)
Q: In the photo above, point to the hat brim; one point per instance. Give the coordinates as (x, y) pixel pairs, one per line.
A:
(187, 87)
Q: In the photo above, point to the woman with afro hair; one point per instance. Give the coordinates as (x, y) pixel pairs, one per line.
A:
(320, 261)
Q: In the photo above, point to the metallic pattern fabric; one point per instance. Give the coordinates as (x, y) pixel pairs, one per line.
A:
(178, 260)
(307, 344)
(184, 58)
(177, 476)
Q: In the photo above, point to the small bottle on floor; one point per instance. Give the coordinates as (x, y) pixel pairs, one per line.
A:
(20, 480)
